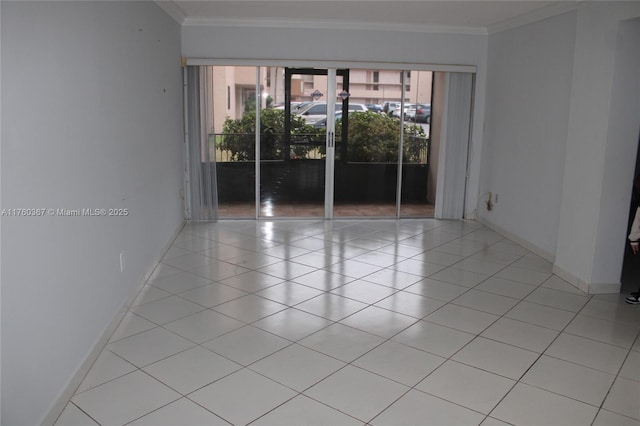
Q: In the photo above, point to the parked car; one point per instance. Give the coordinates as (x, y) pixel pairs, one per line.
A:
(423, 114)
(374, 108)
(322, 123)
(318, 111)
(420, 113)
(389, 106)
(295, 106)
(407, 106)
(299, 106)
(354, 107)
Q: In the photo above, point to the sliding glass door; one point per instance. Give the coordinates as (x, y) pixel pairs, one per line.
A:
(382, 162)
(367, 153)
(296, 143)
(312, 142)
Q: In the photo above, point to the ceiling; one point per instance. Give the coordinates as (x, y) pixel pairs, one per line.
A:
(454, 15)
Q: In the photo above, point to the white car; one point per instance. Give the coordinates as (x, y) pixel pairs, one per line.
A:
(407, 106)
(318, 111)
(295, 106)
(389, 106)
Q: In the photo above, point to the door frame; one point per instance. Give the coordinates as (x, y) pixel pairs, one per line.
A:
(288, 72)
(472, 184)
(331, 92)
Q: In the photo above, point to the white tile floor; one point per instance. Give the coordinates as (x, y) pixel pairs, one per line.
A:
(381, 322)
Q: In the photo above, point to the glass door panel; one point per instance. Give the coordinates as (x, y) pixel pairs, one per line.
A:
(328, 141)
(415, 200)
(293, 143)
(366, 166)
(228, 105)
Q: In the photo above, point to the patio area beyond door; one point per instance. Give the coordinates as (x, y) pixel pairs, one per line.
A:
(297, 180)
(287, 142)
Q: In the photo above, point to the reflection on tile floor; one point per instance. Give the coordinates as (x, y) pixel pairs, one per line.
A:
(305, 210)
(380, 322)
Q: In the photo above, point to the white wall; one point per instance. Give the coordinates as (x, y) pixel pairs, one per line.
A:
(0, 229)
(92, 118)
(527, 109)
(600, 162)
(561, 137)
(622, 143)
(601, 148)
(356, 46)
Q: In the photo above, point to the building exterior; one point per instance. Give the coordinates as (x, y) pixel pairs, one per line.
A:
(366, 86)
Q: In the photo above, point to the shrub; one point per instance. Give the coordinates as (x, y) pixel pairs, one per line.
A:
(372, 138)
(239, 135)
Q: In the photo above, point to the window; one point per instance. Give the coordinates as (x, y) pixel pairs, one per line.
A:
(376, 79)
(316, 109)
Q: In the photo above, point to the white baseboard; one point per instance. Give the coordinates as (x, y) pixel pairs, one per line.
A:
(571, 279)
(589, 288)
(76, 380)
(526, 244)
(611, 288)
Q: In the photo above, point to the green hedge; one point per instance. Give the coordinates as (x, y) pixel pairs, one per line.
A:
(372, 138)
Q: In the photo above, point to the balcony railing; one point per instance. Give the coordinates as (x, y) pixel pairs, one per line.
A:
(238, 147)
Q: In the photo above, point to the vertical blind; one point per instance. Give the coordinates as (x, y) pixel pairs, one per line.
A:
(454, 148)
(201, 163)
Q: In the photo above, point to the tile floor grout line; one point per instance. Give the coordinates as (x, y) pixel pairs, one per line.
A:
(395, 291)
(136, 368)
(541, 354)
(617, 375)
(517, 381)
(447, 359)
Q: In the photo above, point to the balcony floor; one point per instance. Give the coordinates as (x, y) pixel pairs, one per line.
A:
(268, 209)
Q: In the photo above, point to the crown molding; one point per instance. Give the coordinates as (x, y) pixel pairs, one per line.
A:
(310, 63)
(331, 25)
(173, 10)
(534, 16)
